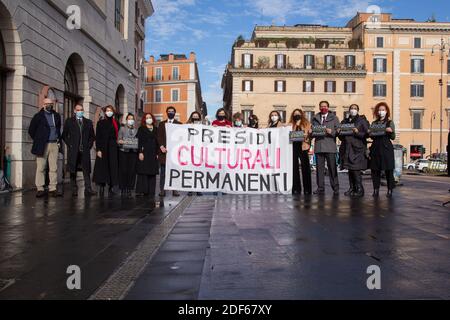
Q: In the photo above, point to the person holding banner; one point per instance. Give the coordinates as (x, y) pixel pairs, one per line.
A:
(162, 141)
(237, 120)
(274, 120)
(147, 164)
(325, 147)
(221, 119)
(353, 134)
(195, 118)
(106, 169)
(128, 146)
(301, 150)
(253, 122)
(382, 131)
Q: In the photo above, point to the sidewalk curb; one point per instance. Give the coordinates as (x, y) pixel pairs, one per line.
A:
(123, 278)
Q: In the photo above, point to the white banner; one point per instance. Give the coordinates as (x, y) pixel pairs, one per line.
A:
(233, 160)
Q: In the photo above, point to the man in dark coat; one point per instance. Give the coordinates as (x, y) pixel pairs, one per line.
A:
(325, 148)
(162, 141)
(79, 136)
(45, 130)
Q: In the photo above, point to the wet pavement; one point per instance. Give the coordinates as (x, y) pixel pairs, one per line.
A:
(40, 238)
(233, 247)
(276, 247)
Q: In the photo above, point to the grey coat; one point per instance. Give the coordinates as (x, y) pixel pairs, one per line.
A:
(326, 144)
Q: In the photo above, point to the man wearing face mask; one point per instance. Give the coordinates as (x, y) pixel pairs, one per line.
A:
(79, 137)
(162, 141)
(325, 148)
(353, 150)
(45, 130)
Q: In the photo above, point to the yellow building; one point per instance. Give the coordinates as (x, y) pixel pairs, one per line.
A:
(373, 58)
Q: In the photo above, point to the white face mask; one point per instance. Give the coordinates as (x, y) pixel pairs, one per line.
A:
(130, 123)
(382, 113)
(149, 121)
(274, 118)
(353, 112)
(109, 114)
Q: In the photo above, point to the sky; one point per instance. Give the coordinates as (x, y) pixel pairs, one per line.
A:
(210, 27)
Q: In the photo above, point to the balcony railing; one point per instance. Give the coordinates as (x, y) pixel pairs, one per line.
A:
(164, 78)
(316, 66)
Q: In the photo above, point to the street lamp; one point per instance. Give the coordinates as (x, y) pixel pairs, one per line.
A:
(433, 117)
(442, 47)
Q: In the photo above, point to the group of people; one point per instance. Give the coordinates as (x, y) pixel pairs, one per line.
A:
(354, 153)
(130, 155)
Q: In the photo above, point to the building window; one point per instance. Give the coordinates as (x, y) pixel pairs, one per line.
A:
(416, 119)
(380, 42)
(379, 90)
(158, 95)
(247, 85)
(350, 62)
(329, 62)
(175, 73)
(158, 74)
(280, 86)
(246, 114)
(417, 43)
(282, 115)
(309, 115)
(280, 61)
(417, 90)
(308, 86)
(175, 95)
(350, 86)
(330, 86)
(309, 61)
(448, 66)
(448, 91)
(247, 59)
(417, 65)
(380, 65)
(119, 16)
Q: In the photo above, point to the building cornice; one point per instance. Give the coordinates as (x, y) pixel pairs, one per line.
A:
(294, 72)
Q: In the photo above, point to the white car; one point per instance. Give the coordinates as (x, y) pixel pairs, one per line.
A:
(410, 166)
(429, 165)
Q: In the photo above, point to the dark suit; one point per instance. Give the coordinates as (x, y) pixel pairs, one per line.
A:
(79, 137)
(162, 141)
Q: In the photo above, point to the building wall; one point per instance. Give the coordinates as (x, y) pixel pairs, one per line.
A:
(39, 50)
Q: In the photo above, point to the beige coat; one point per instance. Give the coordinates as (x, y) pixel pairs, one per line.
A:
(306, 145)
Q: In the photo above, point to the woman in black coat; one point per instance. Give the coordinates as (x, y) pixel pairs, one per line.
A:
(352, 152)
(106, 170)
(147, 167)
(382, 150)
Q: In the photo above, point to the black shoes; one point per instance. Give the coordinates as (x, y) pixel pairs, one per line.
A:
(40, 194)
(319, 192)
(336, 192)
(389, 193)
(349, 192)
(162, 194)
(176, 194)
(90, 193)
(376, 193)
(55, 194)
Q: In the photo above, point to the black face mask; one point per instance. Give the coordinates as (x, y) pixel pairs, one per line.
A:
(221, 118)
(171, 115)
(49, 108)
(252, 122)
(195, 119)
(297, 117)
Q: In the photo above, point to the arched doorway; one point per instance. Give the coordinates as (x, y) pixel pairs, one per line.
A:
(119, 101)
(2, 100)
(71, 92)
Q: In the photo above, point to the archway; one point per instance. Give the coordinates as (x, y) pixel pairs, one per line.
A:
(72, 82)
(119, 101)
(2, 100)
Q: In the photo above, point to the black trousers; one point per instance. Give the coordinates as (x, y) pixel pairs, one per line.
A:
(306, 169)
(376, 179)
(127, 170)
(330, 158)
(162, 177)
(86, 176)
(146, 184)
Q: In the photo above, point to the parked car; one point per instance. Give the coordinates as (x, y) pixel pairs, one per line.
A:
(411, 166)
(430, 165)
